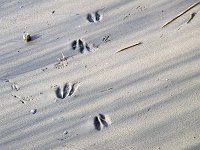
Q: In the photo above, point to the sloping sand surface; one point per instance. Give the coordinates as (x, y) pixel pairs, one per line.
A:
(149, 94)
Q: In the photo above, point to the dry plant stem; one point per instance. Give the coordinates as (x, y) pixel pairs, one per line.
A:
(129, 47)
(63, 58)
(192, 6)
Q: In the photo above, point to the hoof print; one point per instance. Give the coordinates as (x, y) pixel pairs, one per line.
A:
(94, 17)
(90, 18)
(97, 123)
(88, 47)
(68, 90)
(59, 93)
(73, 89)
(101, 121)
(98, 16)
(27, 37)
(74, 45)
(81, 46)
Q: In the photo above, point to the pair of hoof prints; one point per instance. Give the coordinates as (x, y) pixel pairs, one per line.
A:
(81, 46)
(68, 90)
(101, 121)
(94, 17)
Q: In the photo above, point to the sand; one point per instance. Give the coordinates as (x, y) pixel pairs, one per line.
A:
(51, 92)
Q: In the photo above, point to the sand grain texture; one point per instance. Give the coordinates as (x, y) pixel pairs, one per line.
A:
(150, 91)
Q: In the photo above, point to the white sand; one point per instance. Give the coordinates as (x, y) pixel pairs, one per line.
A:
(150, 92)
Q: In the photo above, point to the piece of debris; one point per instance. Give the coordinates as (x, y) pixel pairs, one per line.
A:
(52, 12)
(129, 47)
(15, 96)
(23, 99)
(191, 17)
(126, 16)
(65, 132)
(27, 37)
(33, 111)
(182, 13)
(44, 69)
(62, 62)
(141, 8)
(106, 39)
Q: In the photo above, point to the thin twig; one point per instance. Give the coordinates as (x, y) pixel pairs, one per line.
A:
(192, 6)
(129, 47)
(63, 56)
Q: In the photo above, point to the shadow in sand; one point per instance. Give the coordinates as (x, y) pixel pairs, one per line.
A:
(36, 36)
(194, 147)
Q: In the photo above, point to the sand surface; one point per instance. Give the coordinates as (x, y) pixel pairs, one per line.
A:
(149, 94)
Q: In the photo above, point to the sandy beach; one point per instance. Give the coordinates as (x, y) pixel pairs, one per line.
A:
(99, 75)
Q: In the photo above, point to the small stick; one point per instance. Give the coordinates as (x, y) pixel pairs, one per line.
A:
(191, 17)
(63, 56)
(129, 47)
(192, 6)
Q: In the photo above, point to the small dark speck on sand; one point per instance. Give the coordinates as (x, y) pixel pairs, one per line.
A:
(65, 132)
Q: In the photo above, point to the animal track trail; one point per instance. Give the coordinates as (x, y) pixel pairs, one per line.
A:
(81, 46)
(23, 99)
(68, 90)
(95, 17)
(101, 121)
